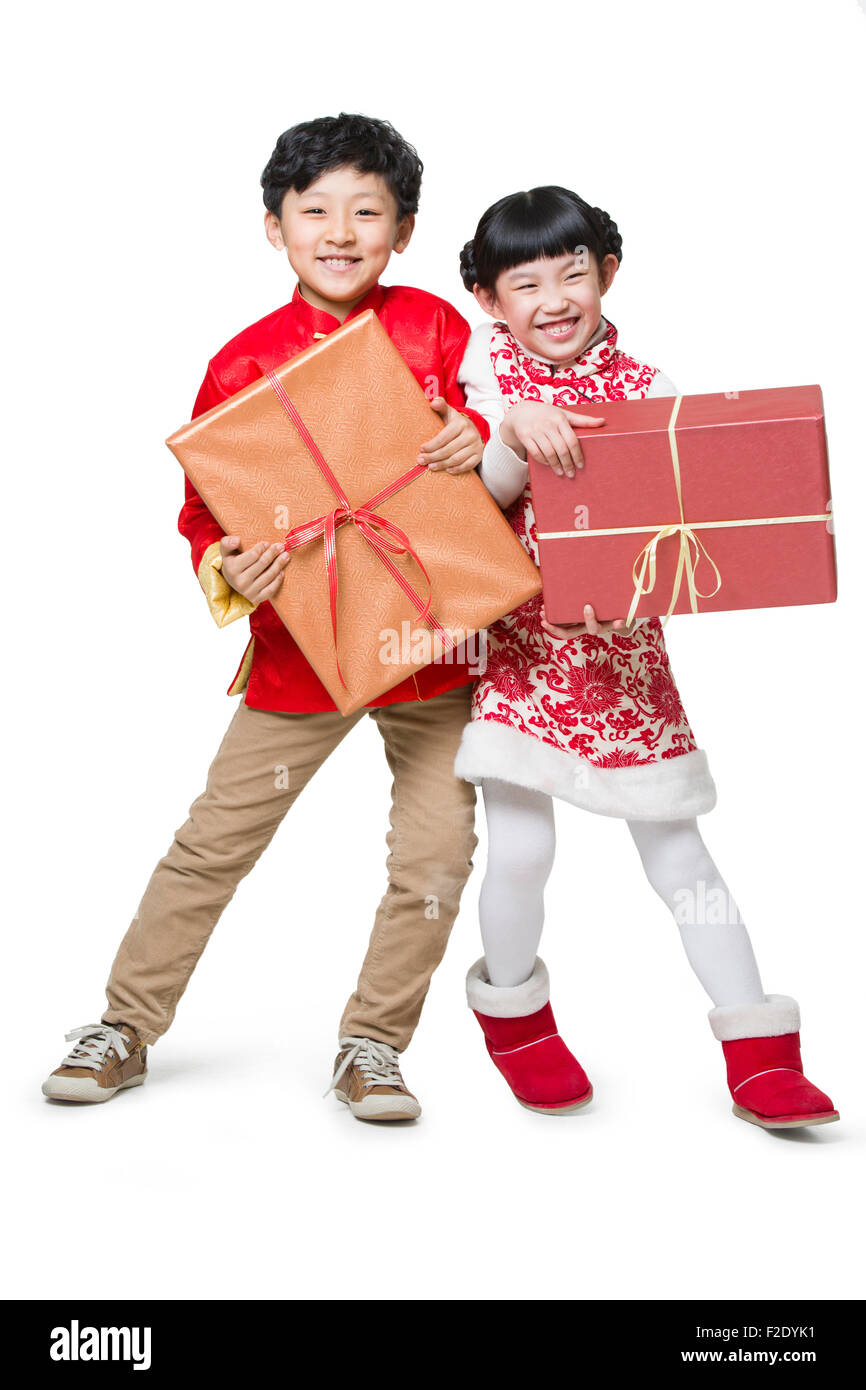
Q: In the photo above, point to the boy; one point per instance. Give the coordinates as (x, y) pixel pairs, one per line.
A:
(341, 194)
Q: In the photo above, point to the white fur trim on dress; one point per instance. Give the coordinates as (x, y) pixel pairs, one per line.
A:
(515, 1001)
(777, 1015)
(669, 789)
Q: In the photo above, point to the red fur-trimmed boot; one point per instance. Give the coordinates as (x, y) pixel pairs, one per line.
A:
(761, 1043)
(522, 1040)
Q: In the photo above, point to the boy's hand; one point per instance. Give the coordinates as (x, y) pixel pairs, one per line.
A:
(256, 573)
(458, 447)
(547, 433)
(590, 625)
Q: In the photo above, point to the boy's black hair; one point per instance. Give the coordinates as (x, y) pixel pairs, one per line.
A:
(538, 222)
(312, 148)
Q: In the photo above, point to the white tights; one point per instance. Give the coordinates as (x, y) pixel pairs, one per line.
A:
(676, 861)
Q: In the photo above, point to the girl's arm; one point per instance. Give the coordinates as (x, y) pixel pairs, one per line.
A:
(501, 470)
(662, 385)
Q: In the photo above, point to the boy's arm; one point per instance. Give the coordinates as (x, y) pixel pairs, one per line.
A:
(502, 471)
(453, 339)
(203, 531)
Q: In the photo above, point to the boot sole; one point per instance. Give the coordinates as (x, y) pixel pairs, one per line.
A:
(411, 1112)
(753, 1119)
(567, 1109)
(84, 1091)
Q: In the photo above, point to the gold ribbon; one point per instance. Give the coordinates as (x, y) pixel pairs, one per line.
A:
(686, 561)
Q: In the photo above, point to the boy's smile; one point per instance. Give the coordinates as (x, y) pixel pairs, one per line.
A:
(552, 305)
(339, 235)
(340, 264)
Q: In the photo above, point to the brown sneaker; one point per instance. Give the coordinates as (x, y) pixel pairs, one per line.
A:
(367, 1079)
(105, 1059)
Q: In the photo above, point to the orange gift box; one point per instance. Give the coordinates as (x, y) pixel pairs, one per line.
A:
(392, 566)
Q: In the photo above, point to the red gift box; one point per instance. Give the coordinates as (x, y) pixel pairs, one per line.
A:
(690, 503)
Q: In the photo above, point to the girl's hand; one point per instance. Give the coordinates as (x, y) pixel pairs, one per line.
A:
(256, 573)
(590, 625)
(548, 433)
(458, 447)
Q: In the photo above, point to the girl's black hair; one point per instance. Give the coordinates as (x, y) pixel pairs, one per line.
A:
(539, 222)
(312, 148)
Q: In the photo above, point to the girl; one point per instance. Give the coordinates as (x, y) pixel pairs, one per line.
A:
(590, 713)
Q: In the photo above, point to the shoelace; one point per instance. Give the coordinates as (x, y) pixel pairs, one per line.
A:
(93, 1042)
(378, 1063)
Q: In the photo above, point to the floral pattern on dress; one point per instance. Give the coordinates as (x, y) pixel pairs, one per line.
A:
(611, 701)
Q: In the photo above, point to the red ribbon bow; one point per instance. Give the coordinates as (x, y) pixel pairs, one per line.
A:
(374, 528)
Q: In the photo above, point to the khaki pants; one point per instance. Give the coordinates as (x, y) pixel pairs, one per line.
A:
(265, 760)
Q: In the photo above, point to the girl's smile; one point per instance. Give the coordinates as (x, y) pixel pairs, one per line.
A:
(559, 329)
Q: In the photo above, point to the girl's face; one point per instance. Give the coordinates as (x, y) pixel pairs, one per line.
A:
(552, 306)
(339, 234)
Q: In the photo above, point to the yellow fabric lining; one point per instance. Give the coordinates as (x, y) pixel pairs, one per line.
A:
(241, 680)
(224, 602)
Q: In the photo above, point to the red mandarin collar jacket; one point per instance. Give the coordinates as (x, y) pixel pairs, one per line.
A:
(431, 336)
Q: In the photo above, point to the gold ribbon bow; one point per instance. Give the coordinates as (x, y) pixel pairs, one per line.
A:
(686, 562)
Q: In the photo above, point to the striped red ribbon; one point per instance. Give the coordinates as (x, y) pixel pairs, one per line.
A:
(374, 528)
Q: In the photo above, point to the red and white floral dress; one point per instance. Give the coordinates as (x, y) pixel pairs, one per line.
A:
(596, 721)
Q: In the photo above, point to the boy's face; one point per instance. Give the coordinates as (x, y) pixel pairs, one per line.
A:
(552, 305)
(339, 235)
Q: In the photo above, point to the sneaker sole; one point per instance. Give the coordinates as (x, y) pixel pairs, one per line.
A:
(753, 1119)
(381, 1107)
(567, 1109)
(85, 1090)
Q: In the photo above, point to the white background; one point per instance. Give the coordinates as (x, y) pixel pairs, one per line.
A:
(726, 142)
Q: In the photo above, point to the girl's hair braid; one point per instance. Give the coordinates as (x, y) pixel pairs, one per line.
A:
(610, 233)
(468, 272)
